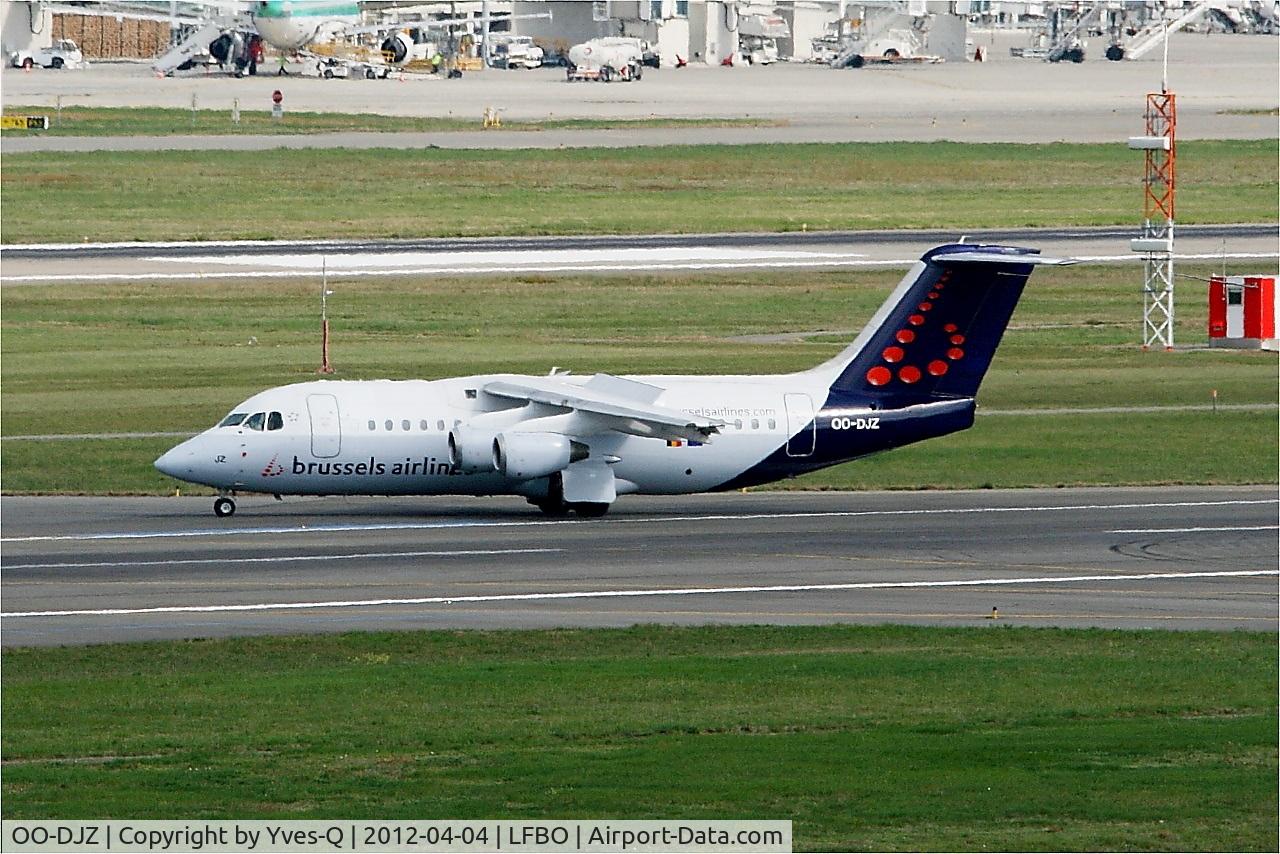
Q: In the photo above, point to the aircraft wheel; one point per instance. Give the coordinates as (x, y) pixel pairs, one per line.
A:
(223, 507)
(589, 510)
(57, 62)
(553, 509)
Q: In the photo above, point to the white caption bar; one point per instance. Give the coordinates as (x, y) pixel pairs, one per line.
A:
(210, 837)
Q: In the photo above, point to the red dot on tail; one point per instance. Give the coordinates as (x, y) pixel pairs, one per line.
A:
(950, 327)
(925, 306)
(893, 354)
(957, 339)
(933, 294)
(955, 353)
(905, 336)
(909, 374)
(937, 367)
(916, 320)
(879, 375)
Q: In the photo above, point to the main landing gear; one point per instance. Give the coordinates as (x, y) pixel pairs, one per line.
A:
(560, 509)
(554, 505)
(223, 506)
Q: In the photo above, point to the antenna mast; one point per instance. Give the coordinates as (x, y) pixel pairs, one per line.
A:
(325, 367)
(1159, 183)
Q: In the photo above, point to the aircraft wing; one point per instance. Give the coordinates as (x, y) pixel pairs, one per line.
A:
(614, 403)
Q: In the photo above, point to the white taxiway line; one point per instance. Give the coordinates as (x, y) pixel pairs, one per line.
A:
(619, 594)
(664, 520)
(1195, 530)
(557, 268)
(283, 558)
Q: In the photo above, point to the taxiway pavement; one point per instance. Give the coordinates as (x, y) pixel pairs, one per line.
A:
(1226, 88)
(90, 570)
(220, 260)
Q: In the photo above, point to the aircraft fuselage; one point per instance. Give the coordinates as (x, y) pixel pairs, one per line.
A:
(391, 438)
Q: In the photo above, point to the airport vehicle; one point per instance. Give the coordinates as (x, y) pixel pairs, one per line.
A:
(63, 54)
(607, 59)
(575, 443)
(516, 52)
(758, 37)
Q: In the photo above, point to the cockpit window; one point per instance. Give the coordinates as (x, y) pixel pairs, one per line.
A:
(275, 421)
(233, 419)
(255, 421)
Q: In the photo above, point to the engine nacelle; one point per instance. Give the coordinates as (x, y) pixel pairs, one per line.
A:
(471, 449)
(530, 455)
(396, 48)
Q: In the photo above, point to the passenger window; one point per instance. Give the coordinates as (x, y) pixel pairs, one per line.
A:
(373, 425)
(422, 425)
(390, 425)
(256, 421)
(773, 425)
(404, 425)
(440, 426)
(275, 421)
(755, 423)
(233, 419)
(737, 425)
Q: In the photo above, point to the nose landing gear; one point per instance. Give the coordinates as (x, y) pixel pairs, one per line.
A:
(223, 506)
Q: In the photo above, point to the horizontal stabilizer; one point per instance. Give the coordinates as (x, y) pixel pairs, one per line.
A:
(993, 258)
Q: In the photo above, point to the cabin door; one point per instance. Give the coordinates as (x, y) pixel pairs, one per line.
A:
(326, 427)
(801, 425)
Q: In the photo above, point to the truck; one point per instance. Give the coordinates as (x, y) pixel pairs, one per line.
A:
(516, 52)
(607, 59)
(758, 37)
(64, 53)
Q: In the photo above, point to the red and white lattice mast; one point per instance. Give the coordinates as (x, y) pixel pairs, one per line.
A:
(1159, 183)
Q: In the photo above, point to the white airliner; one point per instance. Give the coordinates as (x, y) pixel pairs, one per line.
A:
(575, 443)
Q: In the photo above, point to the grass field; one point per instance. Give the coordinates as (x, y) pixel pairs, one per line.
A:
(176, 357)
(868, 738)
(177, 195)
(164, 121)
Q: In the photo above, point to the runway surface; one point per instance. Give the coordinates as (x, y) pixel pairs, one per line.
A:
(89, 570)
(218, 260)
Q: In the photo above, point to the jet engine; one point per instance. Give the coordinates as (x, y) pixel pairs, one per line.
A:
(471, 449)
(530, 455)
(396, 48)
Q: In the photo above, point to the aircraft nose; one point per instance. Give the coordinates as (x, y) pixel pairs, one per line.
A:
(176, 462)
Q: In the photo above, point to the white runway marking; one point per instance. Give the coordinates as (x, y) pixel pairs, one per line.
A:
(618, 594)
(282, 558)
(513, 267)
(665, 520)
(501, 259)
(1195, 530)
